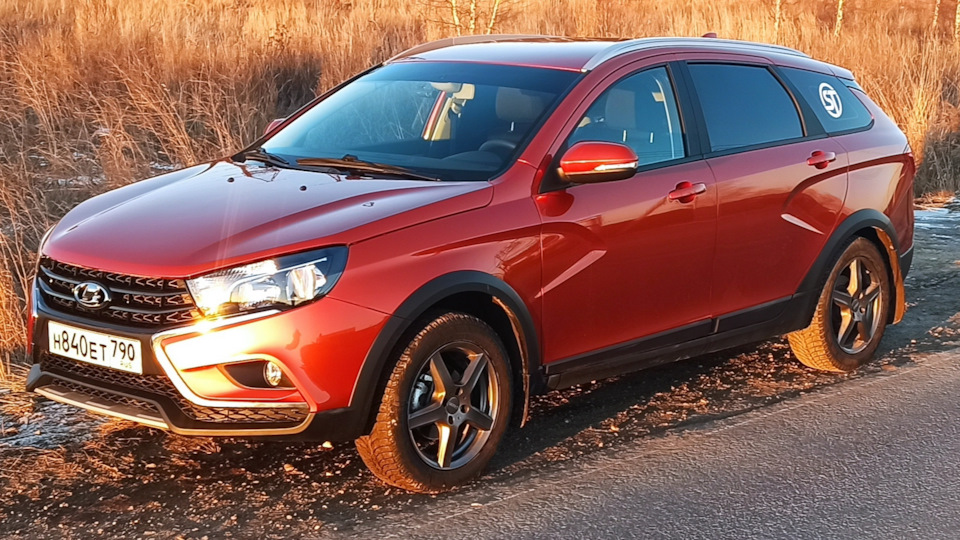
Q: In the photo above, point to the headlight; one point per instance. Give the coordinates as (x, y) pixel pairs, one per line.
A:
(282, 282)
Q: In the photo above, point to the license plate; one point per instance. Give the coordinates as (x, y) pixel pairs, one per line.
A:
(94, 347)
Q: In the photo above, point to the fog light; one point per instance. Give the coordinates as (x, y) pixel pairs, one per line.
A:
(272, 374)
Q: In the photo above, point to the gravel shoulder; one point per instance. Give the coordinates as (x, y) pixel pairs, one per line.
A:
(68, 473)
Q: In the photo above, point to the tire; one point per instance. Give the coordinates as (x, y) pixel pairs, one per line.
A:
(424, 439)
(851, 316)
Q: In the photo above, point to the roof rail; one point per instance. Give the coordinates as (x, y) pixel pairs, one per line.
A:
(625, 47)
(467, 40)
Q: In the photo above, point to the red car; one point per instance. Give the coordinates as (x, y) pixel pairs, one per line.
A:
(406, 260)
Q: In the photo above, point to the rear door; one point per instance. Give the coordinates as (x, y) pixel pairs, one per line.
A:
(780, 185)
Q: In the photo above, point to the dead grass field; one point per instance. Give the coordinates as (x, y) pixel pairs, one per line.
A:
(98, 93)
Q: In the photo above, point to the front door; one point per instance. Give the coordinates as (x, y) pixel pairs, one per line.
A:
(622, 261)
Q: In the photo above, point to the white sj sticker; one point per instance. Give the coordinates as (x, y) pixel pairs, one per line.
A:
(830, 100)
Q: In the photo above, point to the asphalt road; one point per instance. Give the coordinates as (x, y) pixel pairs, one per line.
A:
(874, 458)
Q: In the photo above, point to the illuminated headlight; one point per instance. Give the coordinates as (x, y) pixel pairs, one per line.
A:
(278, 283)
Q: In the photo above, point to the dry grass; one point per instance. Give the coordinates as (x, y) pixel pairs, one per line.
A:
(96, 91)
(27, 471)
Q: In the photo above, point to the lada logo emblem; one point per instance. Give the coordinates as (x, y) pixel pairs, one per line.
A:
(91, 295)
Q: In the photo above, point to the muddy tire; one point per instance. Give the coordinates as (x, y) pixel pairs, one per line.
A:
(445, 408)
(851, 314)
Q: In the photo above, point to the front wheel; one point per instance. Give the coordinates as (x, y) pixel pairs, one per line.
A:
(445, 408)
(851, 313)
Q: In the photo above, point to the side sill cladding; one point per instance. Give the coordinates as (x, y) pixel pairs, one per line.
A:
(369, 384)
(877, 225)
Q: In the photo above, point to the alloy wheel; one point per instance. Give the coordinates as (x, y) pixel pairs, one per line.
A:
(453, 405)
(857, 305)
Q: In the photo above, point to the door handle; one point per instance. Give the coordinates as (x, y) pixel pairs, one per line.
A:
(820, 159)
(686, 192)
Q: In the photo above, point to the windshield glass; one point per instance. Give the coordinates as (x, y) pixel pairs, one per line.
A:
(452, 121)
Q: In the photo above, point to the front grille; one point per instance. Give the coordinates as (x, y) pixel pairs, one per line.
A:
(160, 385)
(154, 303)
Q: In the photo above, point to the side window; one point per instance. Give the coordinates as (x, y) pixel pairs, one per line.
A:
(834, 104)
(639, 111)
(744, 106)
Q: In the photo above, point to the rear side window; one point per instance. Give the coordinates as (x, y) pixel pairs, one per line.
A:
(744, 106)
(834, 104)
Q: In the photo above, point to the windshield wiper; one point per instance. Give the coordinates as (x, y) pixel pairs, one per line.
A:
(260, 154)
(351, 164)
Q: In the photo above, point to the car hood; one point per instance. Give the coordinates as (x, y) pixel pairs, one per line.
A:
(218, 215)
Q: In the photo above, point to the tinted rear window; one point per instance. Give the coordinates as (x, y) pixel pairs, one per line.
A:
(744, 106)
(834, 104)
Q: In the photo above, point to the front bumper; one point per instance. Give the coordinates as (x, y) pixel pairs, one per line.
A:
(321, 348)
(160, 407)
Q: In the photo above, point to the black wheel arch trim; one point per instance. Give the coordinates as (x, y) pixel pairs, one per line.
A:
(369, 383)
(859, 220)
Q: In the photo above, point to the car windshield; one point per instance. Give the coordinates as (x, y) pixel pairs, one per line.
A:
(445, 120)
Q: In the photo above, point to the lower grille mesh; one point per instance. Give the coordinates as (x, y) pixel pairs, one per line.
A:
(160, 385)
(106, 395)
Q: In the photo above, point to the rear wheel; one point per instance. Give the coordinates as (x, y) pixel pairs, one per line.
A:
(851, 313)
(445, 408)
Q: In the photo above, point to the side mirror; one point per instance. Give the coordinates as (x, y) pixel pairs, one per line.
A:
(589, 162)
(273, 125)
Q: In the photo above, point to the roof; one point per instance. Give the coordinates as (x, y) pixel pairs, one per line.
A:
(573, 54)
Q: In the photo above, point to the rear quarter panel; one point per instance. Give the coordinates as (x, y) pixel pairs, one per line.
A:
(881, 173)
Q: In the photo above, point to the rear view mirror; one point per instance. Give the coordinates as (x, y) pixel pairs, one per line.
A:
(589, 162)
(273, 125)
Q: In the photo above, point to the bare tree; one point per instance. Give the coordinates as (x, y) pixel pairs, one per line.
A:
(778, 19)
(839, 23)
(471, 16)
(496, 9)
(936, 17)
(456, 15)
(956, 25)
